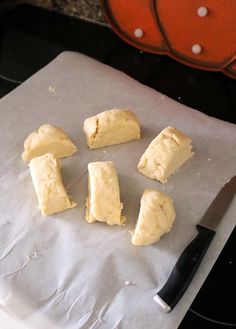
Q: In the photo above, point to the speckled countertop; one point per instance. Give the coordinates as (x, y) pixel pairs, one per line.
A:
(85, 9)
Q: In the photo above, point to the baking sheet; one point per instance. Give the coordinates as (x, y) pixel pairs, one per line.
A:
(61, 272)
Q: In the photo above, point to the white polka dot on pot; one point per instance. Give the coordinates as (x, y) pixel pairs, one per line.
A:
(138, 32)
(196, 49)
(202, 11)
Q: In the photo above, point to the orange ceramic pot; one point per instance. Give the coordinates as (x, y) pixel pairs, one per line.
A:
(198, 33)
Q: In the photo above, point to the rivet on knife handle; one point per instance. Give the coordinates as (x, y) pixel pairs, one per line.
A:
(184, 270)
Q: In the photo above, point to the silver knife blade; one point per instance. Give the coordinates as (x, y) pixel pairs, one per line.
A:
(219, 206)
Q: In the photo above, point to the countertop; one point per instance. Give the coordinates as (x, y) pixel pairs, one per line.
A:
(84, 9)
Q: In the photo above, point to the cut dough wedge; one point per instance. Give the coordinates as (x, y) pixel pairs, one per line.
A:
(111, 127)
(48, 138)
(165, 154)
(48, 185)
(155, 218)
(103, 202)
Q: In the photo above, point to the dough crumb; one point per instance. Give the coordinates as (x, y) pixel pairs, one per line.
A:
(52, 89)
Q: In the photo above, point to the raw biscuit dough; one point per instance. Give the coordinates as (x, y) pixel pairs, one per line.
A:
(48, 185)
(165, 154)
(48, 138)
(155, 218)
(111, 127)
(103, 202)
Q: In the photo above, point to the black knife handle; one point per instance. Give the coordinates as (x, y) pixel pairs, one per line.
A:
(184, 269)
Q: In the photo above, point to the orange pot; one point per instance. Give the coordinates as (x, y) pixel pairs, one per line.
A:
(201, 34)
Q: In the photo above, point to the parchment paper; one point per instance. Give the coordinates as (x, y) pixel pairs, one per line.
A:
(61, 272)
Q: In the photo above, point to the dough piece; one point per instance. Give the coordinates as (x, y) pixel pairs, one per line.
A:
(103, 202)
(166, 153)
(155, 218)
(48, 185)
(48, 138)
(111, 127)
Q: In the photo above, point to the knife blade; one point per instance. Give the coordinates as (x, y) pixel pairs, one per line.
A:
(190, 259)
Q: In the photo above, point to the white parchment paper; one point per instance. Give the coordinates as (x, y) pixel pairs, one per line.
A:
(61, 272)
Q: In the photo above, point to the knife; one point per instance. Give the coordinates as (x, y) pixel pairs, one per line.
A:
(190, 259)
